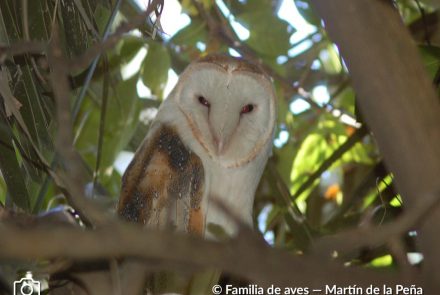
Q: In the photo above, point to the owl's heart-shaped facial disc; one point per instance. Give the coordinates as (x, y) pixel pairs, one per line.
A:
(230, 106)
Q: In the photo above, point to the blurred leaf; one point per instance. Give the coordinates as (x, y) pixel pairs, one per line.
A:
(312, 153)
(382, 261)
(155, 68)
(431, 58)
(191, 34)
(345, 100)
(319, 145)
(189, 8)
(125, 50)
(130, 47)
(330, 60)
(122, 116)
(3, 189)
(282, 106)
(123, 112)
(38, 19)
(396, 201)
(432, 3)
(75, 30)
(25, 89)
(269, 35)
(85, 17)
(112, 182)
(284, 161)
(187, 38)
(12, 173)
(101, 16)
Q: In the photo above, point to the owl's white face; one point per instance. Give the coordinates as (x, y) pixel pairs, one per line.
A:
(231, 111)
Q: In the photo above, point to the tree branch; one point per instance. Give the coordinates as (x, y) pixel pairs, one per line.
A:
(245, 256)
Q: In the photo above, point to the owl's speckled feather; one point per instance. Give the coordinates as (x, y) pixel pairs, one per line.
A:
(163, 185)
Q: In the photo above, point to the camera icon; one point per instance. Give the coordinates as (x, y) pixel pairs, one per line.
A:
(27, 286)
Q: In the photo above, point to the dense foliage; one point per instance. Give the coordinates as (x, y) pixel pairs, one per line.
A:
(326, 173)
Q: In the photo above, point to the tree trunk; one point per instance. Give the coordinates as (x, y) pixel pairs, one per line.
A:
(398, 102)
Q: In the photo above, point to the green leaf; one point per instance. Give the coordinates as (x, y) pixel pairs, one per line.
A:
(318, 146)
(3, 190)
(284, 160)
(330, 60)
(431, 58)
(39, 20)
(101, 15)
(124, 52)
(269, 35)
(12, 173)
(122, 116)
(189, 8)
(75, 30)
(345, 100)
(191, 34)
(155, 68)
(123, 113)
(130, 47)
(383, 261)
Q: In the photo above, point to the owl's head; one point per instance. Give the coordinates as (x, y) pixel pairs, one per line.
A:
(230, 106)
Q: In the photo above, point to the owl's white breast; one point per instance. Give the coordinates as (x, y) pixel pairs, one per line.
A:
(235, 188)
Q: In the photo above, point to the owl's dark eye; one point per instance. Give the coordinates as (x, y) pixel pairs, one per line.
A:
(203, 101)
(247, 109)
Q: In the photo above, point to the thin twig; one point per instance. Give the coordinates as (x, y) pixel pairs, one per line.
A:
(103, 112)
(96, 57)
(20, 48)
(74, 182)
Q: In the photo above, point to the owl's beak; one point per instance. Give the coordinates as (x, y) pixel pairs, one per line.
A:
(220, 144)
(222, 133)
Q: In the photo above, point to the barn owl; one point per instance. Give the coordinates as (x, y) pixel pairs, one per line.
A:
(211, 138)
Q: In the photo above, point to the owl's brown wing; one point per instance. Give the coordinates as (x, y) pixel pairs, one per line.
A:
(163, 185)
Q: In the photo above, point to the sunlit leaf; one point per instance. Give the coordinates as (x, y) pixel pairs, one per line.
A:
(382, 261)
(155, 67)
(330, 60)
(396, 201)
(305, 9)
(130, 47)
(318, 146)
